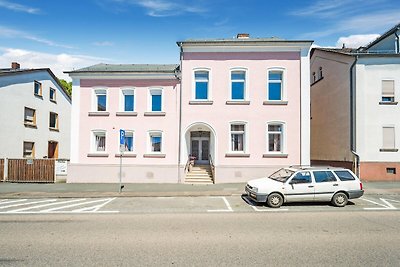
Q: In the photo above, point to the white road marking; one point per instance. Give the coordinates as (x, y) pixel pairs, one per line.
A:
(73, 205)
(97, 207)
(46, 205)
(386, 205)
(229, 208)
(257, 209)
(12, 201)
(393, 200)
(28, 203)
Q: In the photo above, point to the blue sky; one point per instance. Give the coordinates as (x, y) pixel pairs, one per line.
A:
(71, 34)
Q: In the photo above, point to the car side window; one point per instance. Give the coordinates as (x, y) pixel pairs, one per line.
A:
(345, 176)
(301, 178)
(324, 176)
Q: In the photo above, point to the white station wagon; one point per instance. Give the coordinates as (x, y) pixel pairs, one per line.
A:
(301, 184)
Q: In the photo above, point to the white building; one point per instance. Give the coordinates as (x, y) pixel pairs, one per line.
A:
(34, 114)
(354, 107)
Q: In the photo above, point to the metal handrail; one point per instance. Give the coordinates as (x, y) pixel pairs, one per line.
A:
(212, 167)
(187, 164)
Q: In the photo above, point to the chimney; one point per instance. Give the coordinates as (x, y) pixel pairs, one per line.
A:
(15, 66)
(243, 36)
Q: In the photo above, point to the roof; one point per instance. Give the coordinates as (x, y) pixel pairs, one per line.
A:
(112, 68)
(353, 52)
(241, 41)
(8, 71)
(383, 36)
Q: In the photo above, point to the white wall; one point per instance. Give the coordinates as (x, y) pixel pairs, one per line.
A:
(17, 92)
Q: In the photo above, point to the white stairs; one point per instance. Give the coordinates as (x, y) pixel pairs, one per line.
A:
(199, 174)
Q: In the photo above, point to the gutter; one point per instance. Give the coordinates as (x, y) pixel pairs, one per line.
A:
(353, 118)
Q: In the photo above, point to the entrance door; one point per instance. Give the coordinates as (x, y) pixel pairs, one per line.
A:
(52, 150)
(200, 148)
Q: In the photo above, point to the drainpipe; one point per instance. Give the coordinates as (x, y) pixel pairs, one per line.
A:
(353, 118)
(180, 115)
(397, 42)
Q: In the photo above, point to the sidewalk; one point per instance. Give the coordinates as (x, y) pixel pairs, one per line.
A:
(60, 190)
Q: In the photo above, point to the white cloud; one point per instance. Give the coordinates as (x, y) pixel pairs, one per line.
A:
(103, 43)
(56, 62)
(19, 7)
(355, 41)
(13, 33)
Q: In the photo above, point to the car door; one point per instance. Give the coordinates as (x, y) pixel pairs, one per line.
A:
(326, 185)
(300, 187)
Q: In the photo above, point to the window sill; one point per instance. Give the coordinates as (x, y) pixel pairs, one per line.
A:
(126, 155)
(275, 155)
(237, 102)
(39, 96)
(275, 102)
(126, 113)
(154, 114)
(388, 150)
(54, 129)
(98, 114)
(237, 155)
(388, 103)
(53, 101)
(30, 125)
(154, 156)
(317, 81)
(97, 155)
(201, 102)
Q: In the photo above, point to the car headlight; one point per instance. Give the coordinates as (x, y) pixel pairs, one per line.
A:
(254, 189)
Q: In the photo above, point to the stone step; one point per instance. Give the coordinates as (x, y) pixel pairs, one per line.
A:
(198, 181)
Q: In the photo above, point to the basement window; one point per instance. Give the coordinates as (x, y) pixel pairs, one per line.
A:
(391, 170)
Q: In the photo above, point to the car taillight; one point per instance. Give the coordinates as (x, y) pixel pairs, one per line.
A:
(361, 186)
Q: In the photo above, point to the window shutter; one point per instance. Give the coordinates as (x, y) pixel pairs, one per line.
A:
(387, 87)
(388, 137)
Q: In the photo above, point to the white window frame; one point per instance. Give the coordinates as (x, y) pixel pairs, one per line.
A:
(93, 148)
(149, 144)
(283, 137)
(151, 91)
(245, 137)
(99, 91)
(123, 93)
(387, 95)
(246, 83)
(209, 92)
(132, 132)
(283, 83)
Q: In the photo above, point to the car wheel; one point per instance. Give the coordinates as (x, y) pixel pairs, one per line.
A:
(275, 200)
(339, 199)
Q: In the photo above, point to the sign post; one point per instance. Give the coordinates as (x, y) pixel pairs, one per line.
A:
(121, 150)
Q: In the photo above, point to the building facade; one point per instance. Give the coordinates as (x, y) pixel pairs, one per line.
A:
(233, 109)
(35, 114)
(354, 107)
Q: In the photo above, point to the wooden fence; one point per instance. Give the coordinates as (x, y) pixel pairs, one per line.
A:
(31, 170)
(1, 170)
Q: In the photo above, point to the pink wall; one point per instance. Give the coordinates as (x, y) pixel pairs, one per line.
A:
(140, 124)
(219, 114)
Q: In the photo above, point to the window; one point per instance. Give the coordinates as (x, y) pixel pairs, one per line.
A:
(344, 175)
(274, 137)
(314, 77)
(201, 85)
(30, 116)
(238, 85)
(238, 137)
(155, 142)
(275, 84)
(52, 94)
(320, 73)
(37, 88)
(99, 144)
(129, 141)
(156, 100)
(53, 122)
(391, 170)
(29, 150)
(324, 176)
(100, 100)
(301, 178)
(388, 138)
(388, 91)
(128, 100)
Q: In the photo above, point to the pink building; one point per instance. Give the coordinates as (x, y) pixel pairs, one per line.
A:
(234, 109)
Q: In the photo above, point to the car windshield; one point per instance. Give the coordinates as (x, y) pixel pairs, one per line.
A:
(281, 175)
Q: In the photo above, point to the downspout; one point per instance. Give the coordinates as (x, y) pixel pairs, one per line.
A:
(397, 42)
(180, 114)
(353, 118)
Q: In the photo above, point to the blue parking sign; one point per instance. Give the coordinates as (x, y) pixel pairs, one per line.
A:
(122, 137)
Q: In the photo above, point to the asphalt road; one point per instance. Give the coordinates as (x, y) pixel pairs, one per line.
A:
(197, 231)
